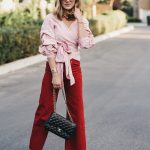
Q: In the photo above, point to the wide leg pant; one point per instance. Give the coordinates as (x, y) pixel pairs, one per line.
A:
(46, 107)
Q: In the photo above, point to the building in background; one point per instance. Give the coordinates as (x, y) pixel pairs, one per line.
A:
(144, 9)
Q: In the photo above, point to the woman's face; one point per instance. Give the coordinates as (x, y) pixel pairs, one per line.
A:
(68, 4)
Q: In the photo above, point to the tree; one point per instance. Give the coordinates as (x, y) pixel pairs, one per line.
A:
(136, 8)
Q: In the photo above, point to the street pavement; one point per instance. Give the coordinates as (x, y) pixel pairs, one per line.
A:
(116, 89)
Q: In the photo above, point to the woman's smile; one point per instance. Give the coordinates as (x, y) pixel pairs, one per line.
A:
(68, 4)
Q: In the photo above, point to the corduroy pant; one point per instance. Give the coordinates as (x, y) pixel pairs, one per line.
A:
(75, 104)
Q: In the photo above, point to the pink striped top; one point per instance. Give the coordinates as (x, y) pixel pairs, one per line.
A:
(63, 43)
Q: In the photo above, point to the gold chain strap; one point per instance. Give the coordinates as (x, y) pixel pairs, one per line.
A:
(54, 96)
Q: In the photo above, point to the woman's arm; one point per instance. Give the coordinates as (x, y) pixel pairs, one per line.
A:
(86, 38)
(82, 33)
(56, 80)
(48, 48)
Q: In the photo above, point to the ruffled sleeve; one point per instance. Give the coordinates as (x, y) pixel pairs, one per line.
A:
(47, 37)
(88, 41)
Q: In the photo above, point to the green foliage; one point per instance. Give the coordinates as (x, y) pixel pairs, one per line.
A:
(34, 10)
(103, 1)
(125, 4)
(133, 19)
(88, 2)
(107, 22)
(19, 34)
(18, 18)
(18, 43)
(93, 24)
(127, 7)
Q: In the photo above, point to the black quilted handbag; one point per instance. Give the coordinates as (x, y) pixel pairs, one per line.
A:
(59, 125)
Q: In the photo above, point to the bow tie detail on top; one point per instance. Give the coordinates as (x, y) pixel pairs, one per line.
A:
(62, 56)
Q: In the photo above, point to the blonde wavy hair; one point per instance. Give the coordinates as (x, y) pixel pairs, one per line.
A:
(58, 9)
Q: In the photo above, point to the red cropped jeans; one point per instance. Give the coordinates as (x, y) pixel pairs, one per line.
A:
(75, 104)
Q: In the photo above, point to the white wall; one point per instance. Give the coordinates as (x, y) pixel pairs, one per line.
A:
(143, 14)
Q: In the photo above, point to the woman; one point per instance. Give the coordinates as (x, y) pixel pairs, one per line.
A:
(63, 33)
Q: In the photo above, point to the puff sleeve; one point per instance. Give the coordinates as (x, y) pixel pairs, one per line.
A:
(48, 44)
(88, 41)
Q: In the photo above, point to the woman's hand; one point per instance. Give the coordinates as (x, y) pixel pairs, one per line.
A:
(78, 14)
(56, 80)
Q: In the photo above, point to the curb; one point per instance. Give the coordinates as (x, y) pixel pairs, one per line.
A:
(22, 63)
(139, 24)
(114, 33)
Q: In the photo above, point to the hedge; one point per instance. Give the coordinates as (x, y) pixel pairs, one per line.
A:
(107, 22)
(18, 43)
